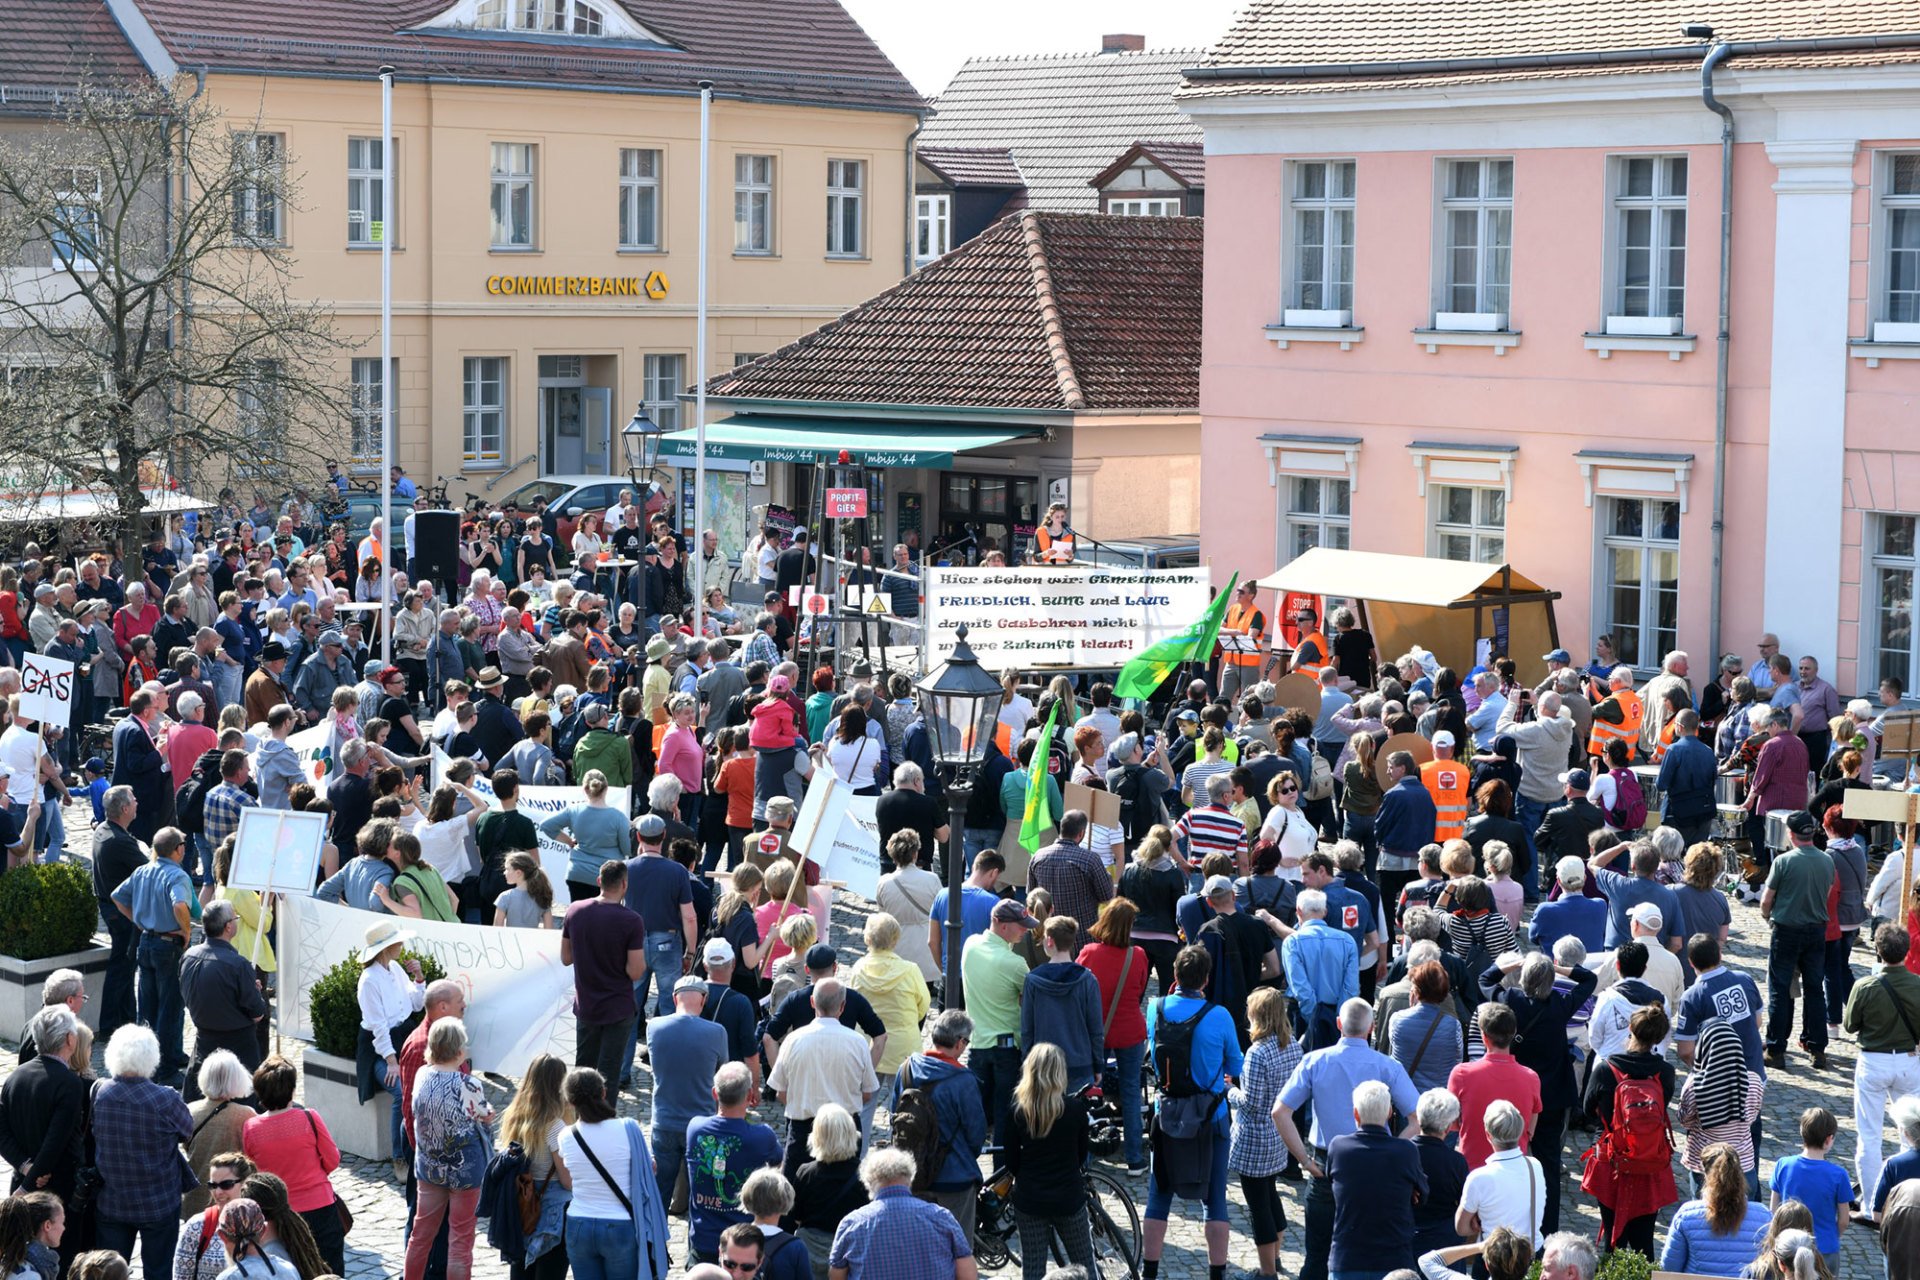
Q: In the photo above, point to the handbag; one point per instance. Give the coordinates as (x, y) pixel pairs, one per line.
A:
(340, 1208)
(1119, 989)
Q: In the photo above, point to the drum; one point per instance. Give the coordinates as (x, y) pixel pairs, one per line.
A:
(1648, 774)
(1730, 789)
(1778, 838)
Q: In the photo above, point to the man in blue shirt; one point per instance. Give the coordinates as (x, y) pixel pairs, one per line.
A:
(722, 1150)
(1687, 774)
(1322, 965)
(404, 489)
(1404, 825)
(688, 1051)
(1351, 913)
(977, 898)
(1624, 893)
(1326, 1080)
(1573, 913)
(157, 899)
(1213, 1054)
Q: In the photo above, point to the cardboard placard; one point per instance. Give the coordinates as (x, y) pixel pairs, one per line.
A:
(1413, 743)
(1103, 807)
(1900, 734)
(277, 850)
(1018, 859)
(1297, 692)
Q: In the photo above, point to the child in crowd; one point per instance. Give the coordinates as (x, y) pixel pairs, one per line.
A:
(95, 788)
(1817, 1182)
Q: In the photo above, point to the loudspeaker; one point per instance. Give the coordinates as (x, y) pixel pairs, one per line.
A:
(436, 550)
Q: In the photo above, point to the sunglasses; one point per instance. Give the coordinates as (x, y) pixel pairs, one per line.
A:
(225, 1184)
(1287, 791)
(731, 1265)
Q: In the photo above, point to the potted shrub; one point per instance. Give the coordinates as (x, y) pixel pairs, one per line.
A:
(328, 1066)
(48, 918)
(1621, 1264)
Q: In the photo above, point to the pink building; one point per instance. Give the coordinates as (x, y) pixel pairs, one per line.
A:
(1462, 298)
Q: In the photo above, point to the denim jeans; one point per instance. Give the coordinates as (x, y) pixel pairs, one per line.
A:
(203, 858)
(669, 1143)
(157, 1239)
(1529, 813)
(973, 840)
(1127, 1062)
(396, 1122)
(1358, 827)
(602, 1248)
(160, 1004)
(663, 951)
(1160, 1203)
(1798, 949)
(1318, 1229)
(116, 994)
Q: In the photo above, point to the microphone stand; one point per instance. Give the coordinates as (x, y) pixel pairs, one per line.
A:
(1097, 545)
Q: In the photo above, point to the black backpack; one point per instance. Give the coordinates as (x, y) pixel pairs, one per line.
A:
(916, 1129)
(1173, 1052)
(190, 802)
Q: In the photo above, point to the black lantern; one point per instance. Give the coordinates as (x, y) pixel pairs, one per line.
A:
(641, 440)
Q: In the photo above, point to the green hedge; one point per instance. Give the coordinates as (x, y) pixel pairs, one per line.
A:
(335, 1002)
(1621, 1264)
(47, 909)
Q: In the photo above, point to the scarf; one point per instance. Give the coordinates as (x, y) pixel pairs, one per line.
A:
(1719, 1075)
(345, 725)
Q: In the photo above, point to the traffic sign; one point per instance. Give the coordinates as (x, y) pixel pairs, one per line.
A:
(817, 603)
(846, 504)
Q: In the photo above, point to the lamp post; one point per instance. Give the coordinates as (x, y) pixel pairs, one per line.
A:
(640, 438)
(961, 704)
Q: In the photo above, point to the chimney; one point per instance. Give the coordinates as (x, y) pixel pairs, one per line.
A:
(1123, 44)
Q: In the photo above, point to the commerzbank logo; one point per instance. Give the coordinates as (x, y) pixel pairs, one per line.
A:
(653, 285)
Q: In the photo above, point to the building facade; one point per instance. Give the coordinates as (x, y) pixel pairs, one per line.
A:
(1471, 312)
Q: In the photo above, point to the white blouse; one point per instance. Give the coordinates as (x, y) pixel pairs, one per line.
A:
(443, 846)
(1290, 829)
(387, 997)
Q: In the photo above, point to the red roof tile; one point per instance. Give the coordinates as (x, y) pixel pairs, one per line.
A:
(55, 43)
(808, 51)
(1039, 311)
(972, 166)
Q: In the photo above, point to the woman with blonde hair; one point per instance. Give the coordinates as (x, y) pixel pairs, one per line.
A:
(788, 973)
(1254, 1155)
(451, 1149)
(733, 920)
(1154, 882)
(827, 1187)
(535, 1119)
(1362, 796)
(1046, 1147)
(893, 986)
(594, 831)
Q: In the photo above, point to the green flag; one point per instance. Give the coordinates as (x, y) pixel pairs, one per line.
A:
(1146, 670)
(1039, 814)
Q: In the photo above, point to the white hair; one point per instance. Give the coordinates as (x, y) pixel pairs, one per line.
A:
(1424, 951)
(908, 774)
(1356, 1017)
(1437, 1112)
(1569, 952)
(1621, 676)
(663, 792)
(1673, 659)
(133, 1051)
(1571, 1249)
(189, 703)
(222, 1077)
(885, 1167)
(1311, 902)
(50, 1028)
(1372, 1102)
(835, 1136)
(1906, 1118)
(1504, 1125)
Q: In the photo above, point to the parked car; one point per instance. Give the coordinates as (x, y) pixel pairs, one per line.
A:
(560, 495)
(1171, 551)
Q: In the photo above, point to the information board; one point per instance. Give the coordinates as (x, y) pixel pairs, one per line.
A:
(1077, 616)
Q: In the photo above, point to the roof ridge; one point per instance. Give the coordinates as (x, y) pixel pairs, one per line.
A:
(1050, 323)
(1000, 59)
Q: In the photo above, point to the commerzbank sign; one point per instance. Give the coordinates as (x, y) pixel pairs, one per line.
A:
(653, 285)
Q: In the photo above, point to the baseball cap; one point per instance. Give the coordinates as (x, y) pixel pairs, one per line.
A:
(1444, 738)
(820, 957)
(371, 667)
(1188, 714)
(690, 982)
(1801, 823)
(1219, 887)
(1647, 916)
(1579, 779)
(1009, 911)
(333, 638)
(651, 827)
(1558, 655)
(96, 765)
(717, 951)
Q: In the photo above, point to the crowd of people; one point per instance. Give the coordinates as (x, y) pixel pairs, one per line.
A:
(1407, 945)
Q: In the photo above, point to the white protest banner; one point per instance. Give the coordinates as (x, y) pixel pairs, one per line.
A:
(519, 995)
(540, 803)
(311, 746)
(1085, 616)
(839, 830)
(277, 849)
(46, 689)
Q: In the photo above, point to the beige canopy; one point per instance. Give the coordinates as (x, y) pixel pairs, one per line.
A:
(1440, 605)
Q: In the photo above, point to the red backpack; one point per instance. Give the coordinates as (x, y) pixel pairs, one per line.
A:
(1629, 812)
(1638, 1139)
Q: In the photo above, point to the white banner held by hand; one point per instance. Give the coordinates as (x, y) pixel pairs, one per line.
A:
(46, 689)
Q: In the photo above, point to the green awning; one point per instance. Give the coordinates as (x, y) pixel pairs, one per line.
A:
(873, 442)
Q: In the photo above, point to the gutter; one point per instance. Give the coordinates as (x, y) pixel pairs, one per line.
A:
(1599, 58)
(913, 203)
(1715, 56)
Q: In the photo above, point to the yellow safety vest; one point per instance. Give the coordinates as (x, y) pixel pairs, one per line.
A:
(1447, 781)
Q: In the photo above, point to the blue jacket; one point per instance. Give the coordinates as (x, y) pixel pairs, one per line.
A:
(1322, 965)
(962, 1117)
(1062, 1007)
(1693, 1248)
(1686, 779)
(1406, 818)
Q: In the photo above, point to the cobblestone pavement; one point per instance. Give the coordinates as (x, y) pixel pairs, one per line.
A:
(375, 1249)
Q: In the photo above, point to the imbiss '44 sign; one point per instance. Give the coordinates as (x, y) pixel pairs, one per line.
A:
(1079, 616)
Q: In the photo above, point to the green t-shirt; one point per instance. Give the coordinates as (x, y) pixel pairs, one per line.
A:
(1800, 879)
(994, 974)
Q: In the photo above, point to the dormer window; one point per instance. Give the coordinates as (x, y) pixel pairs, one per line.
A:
(548, 17)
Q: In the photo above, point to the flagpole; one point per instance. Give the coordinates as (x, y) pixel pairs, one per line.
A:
(388, 541)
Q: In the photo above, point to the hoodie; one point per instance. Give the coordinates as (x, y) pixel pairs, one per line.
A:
(277, 769)
(1607, 1028)
(1065, 999)
(773, 725)
(959, 1112)
(1544, 749)
(1503, 766)
(897, 990)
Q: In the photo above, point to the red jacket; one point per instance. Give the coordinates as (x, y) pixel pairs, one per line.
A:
(773, 724)
(294, 1146)
(128, 624)
(1129, 1026)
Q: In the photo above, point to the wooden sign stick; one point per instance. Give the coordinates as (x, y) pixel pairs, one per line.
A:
(1906, 856)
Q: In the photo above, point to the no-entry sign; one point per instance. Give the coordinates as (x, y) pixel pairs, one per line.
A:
(817, 603)
(846, 504)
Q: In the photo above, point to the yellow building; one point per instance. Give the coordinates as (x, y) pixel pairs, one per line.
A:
(547, 167)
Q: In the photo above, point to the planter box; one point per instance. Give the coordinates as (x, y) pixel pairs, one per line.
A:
(1303, 319)
(362, 1128)
(1644, 326)
(1471, 321)
(20, 985)
(1895, 331)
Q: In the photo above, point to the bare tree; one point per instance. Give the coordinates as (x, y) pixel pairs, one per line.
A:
(149, 317)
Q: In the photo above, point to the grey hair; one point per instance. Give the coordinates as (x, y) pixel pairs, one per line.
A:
(1906, 1118)
(949, 1027)
(223, 1077)
(1504, 1124)
(218, 915)
(1424, 922)
(835, 1136)
(1425, 951)
(1218, 786)
(1536, 976)
(762, 620)
(1678, 655)
(1571, 872)
(1370, 705)
(133, 1051)
(766, 1193)
(353, 752)
(596, 713)
(1669, 844)
(1573, 1250)
(682, 701)
(908, 774)
(1551, 705)
(1340, 616)
(1567, 681)
(1349, 855)
(731, 1083)
(886, 1167)
(663, 792)
(1356, 1017)
(1311, 902)
(61, 986)
(1437, 1112)
(50, 1028)
(446, 1040)
(189, 703)
(1125, 745)
(1569, 952)
(1372, 1102)
(117, 801)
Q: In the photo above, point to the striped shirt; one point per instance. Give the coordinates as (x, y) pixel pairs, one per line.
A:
(1213, 829)
(1194, 777)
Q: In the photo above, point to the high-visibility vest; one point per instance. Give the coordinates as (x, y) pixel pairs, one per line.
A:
(1052, 550)
(1665, 740)
(1446, 781)
(1628, 729)
(1247, 620)
(1319, 642)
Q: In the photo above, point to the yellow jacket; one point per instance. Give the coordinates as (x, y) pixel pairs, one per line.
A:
(254, 916)
(897, 991)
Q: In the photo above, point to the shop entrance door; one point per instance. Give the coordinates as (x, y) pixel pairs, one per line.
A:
(996, 512)
(575, 419)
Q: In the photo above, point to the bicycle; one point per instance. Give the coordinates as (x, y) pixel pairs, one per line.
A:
(1112, 1217)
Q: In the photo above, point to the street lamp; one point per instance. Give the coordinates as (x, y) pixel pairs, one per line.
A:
(961, 704)
(641, 440)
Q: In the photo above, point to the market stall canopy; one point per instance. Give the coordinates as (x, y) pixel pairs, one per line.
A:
(874, 442)
(1441, 605)
(77, 505)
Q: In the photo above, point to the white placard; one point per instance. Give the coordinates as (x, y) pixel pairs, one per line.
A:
(277, 850)
(316, 761)
(839, 830)
(519, 995)
(46, 689)
(1084, 616)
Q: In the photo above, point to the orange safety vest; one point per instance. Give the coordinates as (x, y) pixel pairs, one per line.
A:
(1244, 620)
(1664, 741)
(1628, 728)
(1319, 642)
(1446, 781)
(1052, 550)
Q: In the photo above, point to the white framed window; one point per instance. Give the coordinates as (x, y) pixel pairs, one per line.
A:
(846, 203)
(483, 403)
(639, 198)
(1899, 301)
(1153, 207)
(76, 219)
(512, 195)
(549, 17)
(753, 204)
(1319, 513)
(260, 414)
(365, 183)
(1320, 264)
(367, 397)
(1469, 523)
(663, 378)
(1891, 566)
(1639, 578)
(1476, 215)
(259, 160)
(932, 227)
(1650, 236)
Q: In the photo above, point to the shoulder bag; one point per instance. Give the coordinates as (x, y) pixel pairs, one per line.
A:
(1425, 1040)
(601, 1169)
(1119, 990)
(340, 1208)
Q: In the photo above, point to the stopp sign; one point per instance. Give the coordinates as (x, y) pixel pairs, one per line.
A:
(817, 604)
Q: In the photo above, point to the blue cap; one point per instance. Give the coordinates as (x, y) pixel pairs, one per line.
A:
(96, 765)
(1558, 655)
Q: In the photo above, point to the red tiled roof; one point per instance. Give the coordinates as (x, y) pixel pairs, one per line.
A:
(808, 51)
(55, 43)
(972, 166)
(1185, 162)
(1039, 311)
